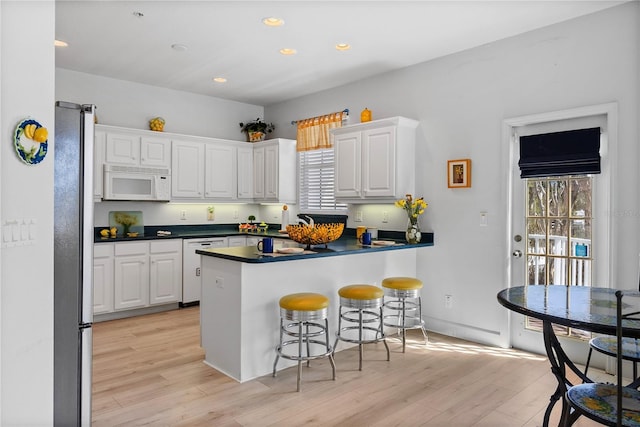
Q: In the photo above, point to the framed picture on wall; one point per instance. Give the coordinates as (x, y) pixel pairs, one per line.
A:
(459, 173)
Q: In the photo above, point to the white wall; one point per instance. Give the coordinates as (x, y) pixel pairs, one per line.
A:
(461, 101)
(26, 280)
(128, 104)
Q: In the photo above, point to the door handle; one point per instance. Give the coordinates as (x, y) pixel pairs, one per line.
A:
(517, 253)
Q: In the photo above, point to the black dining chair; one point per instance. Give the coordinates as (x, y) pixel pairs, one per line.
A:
(606, 403)
(608, 345)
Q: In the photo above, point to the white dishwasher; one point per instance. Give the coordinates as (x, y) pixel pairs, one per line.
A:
(191, 278)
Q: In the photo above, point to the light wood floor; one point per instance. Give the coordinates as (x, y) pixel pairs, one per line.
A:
(149, 370)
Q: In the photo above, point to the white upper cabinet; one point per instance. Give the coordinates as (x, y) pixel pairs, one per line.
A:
(221, 171)
(375, 161)
(155, 151)
(348, 175)
(204, 169)
(245, 172)
(274, 171)
(98, 164)
(187, 165)
(258, 172)
(133, 147)
(123, 148)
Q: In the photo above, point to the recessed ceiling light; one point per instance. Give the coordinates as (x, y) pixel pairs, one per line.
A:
(219, 80)
(60, 43)
(343, 46)
(287, 51)
(273, 21)
(179, 47)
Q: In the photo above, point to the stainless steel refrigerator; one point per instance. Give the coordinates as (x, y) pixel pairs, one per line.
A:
(73, 263)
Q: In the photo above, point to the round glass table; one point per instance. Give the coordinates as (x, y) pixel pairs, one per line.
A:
(587, 308)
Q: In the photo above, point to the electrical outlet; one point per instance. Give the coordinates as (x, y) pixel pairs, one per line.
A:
(183, 215)
(385, 216)
(448, 301)
(358, 216)
(235, 214)
(210, 213)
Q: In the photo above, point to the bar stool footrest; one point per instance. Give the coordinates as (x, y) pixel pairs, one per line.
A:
(410, 322)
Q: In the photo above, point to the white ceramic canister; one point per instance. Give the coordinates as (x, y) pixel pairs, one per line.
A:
(373, 231)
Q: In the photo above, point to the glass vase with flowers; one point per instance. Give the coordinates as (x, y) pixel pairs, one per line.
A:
(414, 208)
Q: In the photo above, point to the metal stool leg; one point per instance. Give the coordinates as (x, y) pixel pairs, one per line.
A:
(335, 345)
(300, 327)
(275, 364)
(360, 345)
(424, 332)
(384, 339)
(404, 324)
(308, 346)
(329, 349)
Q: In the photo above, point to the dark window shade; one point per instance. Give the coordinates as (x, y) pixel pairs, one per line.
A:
(560, 153)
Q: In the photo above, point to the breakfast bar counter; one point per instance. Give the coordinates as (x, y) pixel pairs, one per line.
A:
(239, 311)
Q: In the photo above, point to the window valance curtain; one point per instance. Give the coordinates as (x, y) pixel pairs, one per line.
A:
(560, 153)
(313, 133)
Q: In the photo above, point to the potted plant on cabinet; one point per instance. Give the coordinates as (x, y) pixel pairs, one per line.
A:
(256, 130)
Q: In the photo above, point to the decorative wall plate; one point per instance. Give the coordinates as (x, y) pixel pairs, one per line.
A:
(29, 150)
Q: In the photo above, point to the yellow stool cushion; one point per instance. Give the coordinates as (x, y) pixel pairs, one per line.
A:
(305, 301)
(402, 283)
(361, 292)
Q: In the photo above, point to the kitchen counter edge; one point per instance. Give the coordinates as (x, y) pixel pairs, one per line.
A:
(343, 246)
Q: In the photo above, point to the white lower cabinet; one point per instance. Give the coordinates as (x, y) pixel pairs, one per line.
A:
(102, 278)
(145, 273)
(235, 241)
(252, 241)
(131, 279)
(165, 271)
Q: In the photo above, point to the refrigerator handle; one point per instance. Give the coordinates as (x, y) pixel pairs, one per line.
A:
(88, 116)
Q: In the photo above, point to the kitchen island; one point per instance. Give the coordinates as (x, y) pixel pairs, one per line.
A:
(239, 312)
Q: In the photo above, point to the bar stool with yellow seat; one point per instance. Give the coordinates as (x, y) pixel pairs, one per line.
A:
(362, 305)
(402, 299)
(303, 317)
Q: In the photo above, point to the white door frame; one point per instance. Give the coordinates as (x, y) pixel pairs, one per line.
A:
(604, 273)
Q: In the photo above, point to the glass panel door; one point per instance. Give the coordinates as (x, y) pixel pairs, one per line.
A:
(559, 236)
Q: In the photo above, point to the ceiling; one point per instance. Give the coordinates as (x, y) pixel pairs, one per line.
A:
(227, 39)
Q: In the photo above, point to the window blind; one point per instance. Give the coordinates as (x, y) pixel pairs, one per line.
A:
(560, 153)
(317, 179)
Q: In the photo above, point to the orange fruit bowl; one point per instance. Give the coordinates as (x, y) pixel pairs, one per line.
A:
(319, 234)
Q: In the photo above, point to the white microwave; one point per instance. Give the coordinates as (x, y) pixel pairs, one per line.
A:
(136, 183)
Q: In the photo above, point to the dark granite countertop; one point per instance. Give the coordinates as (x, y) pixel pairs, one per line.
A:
(346, 245)
(227, 230)
(188, 232)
